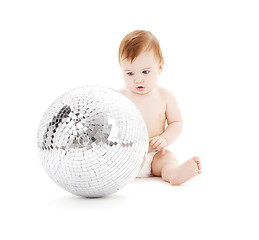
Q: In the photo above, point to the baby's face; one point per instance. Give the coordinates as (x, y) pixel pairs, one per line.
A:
(141, 75)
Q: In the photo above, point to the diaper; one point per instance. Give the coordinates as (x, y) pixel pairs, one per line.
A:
(146, 169)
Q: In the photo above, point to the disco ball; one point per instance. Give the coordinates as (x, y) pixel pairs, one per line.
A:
(92, 141)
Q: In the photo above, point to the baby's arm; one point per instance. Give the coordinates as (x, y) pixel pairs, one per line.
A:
(174, 121)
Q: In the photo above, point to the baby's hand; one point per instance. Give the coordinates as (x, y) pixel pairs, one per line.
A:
(158, 142)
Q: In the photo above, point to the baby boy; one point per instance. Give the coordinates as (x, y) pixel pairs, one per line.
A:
(141, 61)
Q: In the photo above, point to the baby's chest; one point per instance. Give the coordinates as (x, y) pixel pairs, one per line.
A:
(153, 110)
(153, 113)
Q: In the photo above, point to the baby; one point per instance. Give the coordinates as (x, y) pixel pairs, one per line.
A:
(141, 61)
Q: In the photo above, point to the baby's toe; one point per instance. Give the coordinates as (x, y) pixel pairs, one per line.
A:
(199, 165)
(197, 161)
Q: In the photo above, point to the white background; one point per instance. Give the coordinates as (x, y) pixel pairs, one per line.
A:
(211, 65)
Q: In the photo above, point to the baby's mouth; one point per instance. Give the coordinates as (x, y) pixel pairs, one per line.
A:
(140, 88)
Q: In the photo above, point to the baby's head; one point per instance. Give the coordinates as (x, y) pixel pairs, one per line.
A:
(141, 61)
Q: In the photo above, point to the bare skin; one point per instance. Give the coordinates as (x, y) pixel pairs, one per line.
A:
(158, 107)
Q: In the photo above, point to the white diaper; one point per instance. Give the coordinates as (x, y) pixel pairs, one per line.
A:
(146, 169)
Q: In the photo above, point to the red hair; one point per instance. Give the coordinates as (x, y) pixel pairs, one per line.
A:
(137, 42)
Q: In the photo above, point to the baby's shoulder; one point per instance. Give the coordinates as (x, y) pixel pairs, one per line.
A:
(165, 94)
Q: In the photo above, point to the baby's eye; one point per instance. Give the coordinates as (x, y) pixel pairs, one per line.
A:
(130, 73)
(146, 72)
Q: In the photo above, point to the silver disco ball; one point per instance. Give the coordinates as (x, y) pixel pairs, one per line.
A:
(92, 141)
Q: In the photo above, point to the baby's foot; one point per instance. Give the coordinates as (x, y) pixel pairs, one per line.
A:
(186, 171)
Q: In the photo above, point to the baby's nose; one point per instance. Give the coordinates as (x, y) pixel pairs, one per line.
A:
(138, 80)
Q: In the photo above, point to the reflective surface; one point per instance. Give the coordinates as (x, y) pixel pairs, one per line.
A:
(92, 141)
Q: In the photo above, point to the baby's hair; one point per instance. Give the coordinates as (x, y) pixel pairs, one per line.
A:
(138, 41)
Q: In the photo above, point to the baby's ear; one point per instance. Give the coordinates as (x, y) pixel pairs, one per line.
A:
(161, 66)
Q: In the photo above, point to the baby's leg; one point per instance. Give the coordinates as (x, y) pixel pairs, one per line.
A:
(167, 167)
(163, 165)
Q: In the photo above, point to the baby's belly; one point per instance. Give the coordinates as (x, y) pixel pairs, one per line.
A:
(155, 130)
(154, 133)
